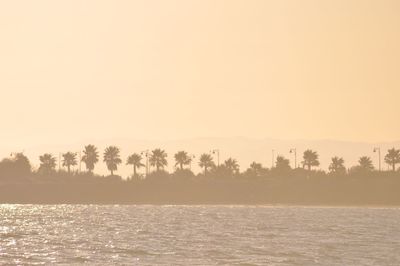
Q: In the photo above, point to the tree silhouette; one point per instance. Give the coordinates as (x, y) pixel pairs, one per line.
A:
(282, 163)
(231, 165)
(392, 158)
(310, 159)
(255, 169)
(337, 165)
(182, 158)
(69, 159)
(366, 163)
(112, 158)
(22, 164)
(206, 162)
(158, 158)
(47, 163)
(136, 161)
(90, 157)
(18, 166)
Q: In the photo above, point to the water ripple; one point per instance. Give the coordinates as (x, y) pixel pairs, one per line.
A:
(198, 235)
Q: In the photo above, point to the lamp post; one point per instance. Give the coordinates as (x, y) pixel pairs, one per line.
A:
(146, 153)
(216, 151)
(191, 159)
(378, 150)
(293, 150)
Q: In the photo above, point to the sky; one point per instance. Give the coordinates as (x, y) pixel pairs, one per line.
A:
(78, 70)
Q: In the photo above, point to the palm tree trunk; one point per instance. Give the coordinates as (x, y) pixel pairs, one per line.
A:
(134, 170)
(394, 166)
(69, 169)
(181, 166)
(112, 172)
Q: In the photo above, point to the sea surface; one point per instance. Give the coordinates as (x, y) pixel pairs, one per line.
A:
(198, 235)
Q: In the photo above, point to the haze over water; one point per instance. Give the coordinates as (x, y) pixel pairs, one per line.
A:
(271, 102)
(198, 235)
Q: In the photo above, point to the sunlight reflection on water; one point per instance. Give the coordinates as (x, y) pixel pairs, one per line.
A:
(199, 235)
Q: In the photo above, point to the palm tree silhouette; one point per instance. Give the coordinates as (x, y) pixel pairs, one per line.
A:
(90, 157)
(282, 163)
(232, 165)
(392, 158)
(206, 161)
(22, 163)
(255, 168)
(337, 165)
(310, 159)
(182, 158)
(112, 158)
(158, 158)
(136, 161)
(69, 159)
(366, 163)
(47, 163)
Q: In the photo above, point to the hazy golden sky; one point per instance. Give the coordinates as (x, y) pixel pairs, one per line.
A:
(74, 69)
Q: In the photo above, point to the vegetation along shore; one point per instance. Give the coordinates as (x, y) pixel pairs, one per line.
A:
(217, 183)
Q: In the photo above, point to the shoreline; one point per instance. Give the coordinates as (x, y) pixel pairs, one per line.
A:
(371, 193)
(214, 205)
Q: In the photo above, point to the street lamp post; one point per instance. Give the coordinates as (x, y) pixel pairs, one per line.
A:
(146, 153)
(293, 150)
(378, 150)
(191, 159)
(216, 151)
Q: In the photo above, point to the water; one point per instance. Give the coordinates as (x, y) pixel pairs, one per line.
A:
(198, 235)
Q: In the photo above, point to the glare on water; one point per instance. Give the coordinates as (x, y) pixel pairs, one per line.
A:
(198, 235)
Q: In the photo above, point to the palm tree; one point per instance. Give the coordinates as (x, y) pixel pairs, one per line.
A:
(69, 159)
(232, 165)
(282, 163)
(206, 161)
(136, 161)
(182, 158)
(310, 159)
(392, 158)
(337, 165)
(90, 157)
(366, 163)
(255, 168)
(112, 158)
(22, 163)
(47, 163)
(158, 158)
